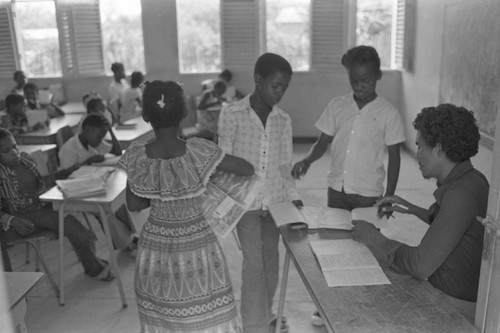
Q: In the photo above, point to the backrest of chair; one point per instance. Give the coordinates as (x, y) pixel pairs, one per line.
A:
(63, 135)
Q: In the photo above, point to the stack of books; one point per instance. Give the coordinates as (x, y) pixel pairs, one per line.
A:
(86, 181)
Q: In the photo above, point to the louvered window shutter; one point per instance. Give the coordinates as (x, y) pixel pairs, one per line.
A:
(8, 59)
(328, 31)
(403, 33)
(81, 38)
(240, 33)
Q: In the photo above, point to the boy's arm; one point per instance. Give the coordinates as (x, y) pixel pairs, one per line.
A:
(116, 149)
(5, 218)
(227, 127)
(393, 168)
(318, 149)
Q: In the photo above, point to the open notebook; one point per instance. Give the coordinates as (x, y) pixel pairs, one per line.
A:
(323, 217)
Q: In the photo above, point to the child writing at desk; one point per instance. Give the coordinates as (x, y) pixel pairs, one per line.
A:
(89, 147)
(23, 213)
(14, 119)
(180, 263)
(256, 129)
(94, 104)
(359, 126)
(31, 93)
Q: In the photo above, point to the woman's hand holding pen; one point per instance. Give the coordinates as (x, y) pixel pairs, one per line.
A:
(392, 203)
(300, 168)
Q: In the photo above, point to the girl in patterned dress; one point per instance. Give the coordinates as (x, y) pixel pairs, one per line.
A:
(182, 281)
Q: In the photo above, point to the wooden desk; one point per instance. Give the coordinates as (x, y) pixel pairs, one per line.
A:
(142, 132)
(73, 108)
(101, 204)
(18, 286)
(406, 305)
(48, 135)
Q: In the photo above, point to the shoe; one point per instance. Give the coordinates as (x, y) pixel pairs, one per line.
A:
(284, 326)
(105, 275)
(132, 248)
(316, 319)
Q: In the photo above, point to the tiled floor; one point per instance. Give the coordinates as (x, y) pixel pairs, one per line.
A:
(94, 307)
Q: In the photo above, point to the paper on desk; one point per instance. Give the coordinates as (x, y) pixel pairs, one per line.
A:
(82, 187)
(345, 262)
(89, 171)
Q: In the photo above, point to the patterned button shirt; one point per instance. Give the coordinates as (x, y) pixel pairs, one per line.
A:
(269, 149)
(12, 200)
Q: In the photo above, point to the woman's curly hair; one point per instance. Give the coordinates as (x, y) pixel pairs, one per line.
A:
(451, 126)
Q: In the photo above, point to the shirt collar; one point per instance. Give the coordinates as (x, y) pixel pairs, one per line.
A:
(274, 112)
(458, 171)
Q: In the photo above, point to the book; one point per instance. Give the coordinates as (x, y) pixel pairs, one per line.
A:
(226, 198)
(90, 171)
(37, 117)
(345, 262)
(82, 187)
(324, 217)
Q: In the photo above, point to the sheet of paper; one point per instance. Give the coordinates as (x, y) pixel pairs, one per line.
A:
(345, 262)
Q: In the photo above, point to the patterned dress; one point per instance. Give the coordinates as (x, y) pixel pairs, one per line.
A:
(182, 281)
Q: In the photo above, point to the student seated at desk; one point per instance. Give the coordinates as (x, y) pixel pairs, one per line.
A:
(231, 94)
(131, 99)
(31, 93)
(449, 255)
(21, 79)
(207, 113)
(14, 118)
(94, 104)
(23, 213)
(88, 147)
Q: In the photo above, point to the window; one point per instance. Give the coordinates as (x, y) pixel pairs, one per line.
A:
(381, 24)
(122, 37)
(38, 37)
(288, 25)
(199, 36)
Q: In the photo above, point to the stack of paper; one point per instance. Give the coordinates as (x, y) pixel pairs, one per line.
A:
(345, 262)
(89, 171)
(82, 187)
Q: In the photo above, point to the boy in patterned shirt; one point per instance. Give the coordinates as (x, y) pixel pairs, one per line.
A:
(256, 129)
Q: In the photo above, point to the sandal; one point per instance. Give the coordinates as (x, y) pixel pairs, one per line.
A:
(105, 275)
(284, 326)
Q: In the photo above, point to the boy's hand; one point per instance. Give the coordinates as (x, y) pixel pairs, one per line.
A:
(22, 226)
(95, 159)
(38, 126)
(392, 203)
(298, 203)
(363, 231)
(300, 169)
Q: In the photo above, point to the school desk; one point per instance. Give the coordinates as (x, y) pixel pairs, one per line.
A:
(135, 129)
(406, 305)
(44, 155)
(48, 135)
(101, 204)
(73, 108)
(18, 286)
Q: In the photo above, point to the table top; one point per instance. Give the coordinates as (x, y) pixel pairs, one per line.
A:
(407, 304)
(142, 130)
(19, 284)
(73, 107)
(56, 124)
(115, 185)
(33, 148)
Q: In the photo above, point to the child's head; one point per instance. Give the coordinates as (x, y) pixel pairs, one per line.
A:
(9, 152)
(94, 128)
(226, 75)
(136, 78)
(31, 94)
(363, 67)
(15, 104)
(219, 88)
(20, 78)
(118, 70)
(272, 75)
(163, 104)
(94, 103)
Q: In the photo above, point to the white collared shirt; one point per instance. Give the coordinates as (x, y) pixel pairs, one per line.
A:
(269, 149)
(359, 141)
(73, 152)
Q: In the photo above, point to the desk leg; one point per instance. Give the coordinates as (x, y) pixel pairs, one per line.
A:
(284, 281)
(61, 254)
(112, 257)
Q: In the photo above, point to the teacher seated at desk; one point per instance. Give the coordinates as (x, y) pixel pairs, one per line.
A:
(449, 255)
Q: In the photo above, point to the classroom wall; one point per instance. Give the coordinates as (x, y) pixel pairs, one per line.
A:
(421, 85)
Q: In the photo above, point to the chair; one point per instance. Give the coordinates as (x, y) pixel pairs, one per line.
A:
(63, 135)
(34, 240)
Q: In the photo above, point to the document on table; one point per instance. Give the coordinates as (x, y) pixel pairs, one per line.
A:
(345, 262)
